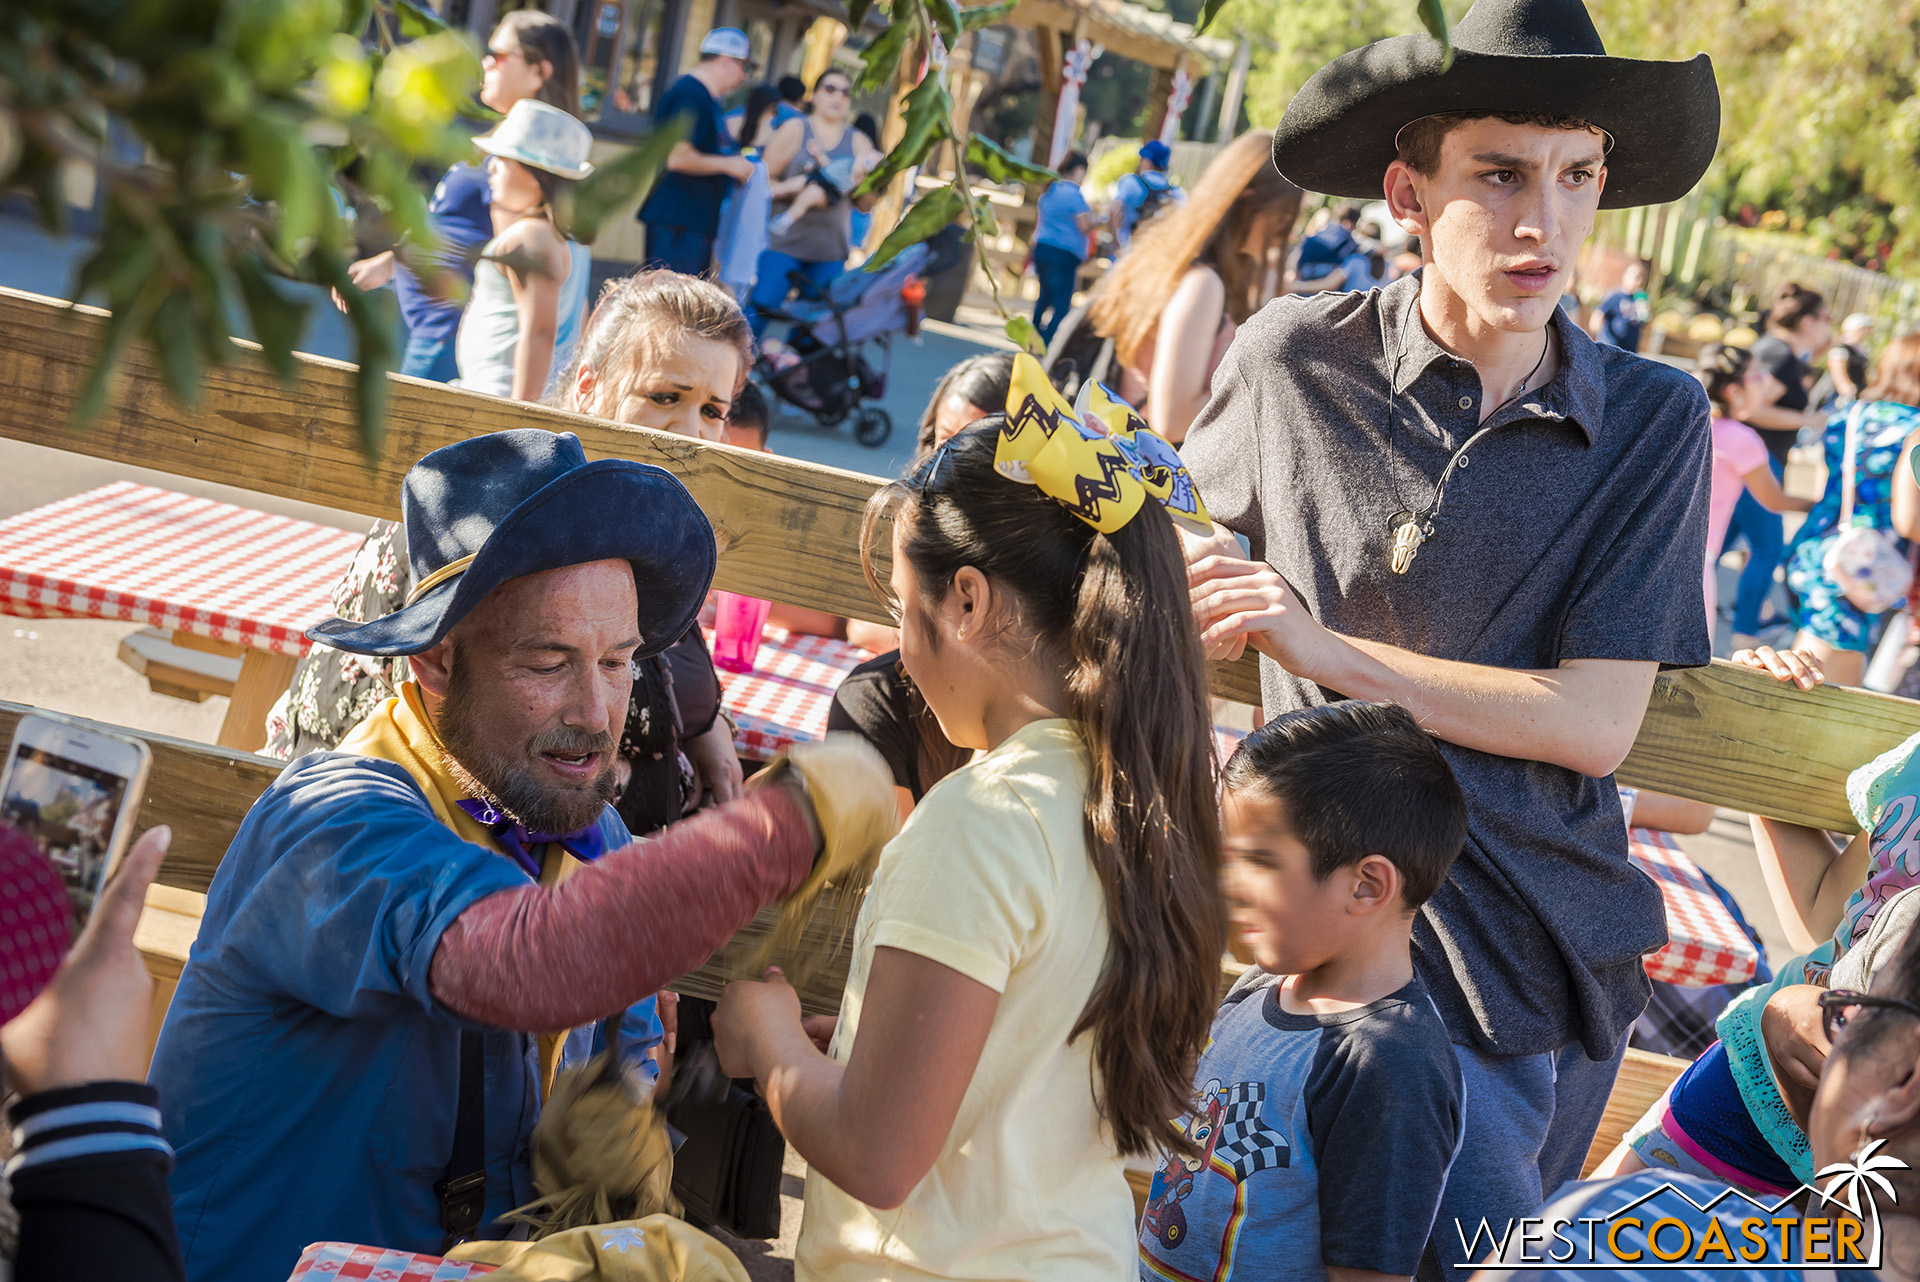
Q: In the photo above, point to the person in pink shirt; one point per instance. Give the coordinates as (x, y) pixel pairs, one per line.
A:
(1736, 383)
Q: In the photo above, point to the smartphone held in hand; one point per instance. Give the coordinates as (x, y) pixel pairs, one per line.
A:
(73, 789)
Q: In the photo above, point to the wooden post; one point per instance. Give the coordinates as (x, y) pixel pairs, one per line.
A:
(817, 49)
(893, 201)
(1051, 64)
(1157, 90)
(1236, 90)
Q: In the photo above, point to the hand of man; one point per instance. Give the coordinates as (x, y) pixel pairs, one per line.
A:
(1240, 600)
(90, 1025)
(1197, 548)
(819, 1030)
(1790, 1024)
(716, 762)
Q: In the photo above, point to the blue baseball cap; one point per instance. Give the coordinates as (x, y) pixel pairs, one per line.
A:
(1156, 153)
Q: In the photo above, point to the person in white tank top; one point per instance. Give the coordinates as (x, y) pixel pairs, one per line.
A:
(530, 285)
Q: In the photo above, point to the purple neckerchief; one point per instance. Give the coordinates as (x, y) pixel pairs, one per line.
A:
(586, 845)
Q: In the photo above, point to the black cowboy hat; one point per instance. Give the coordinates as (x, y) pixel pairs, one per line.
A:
(1532, 56)
(496, 507)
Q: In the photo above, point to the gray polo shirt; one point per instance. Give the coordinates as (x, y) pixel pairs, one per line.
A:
(1576, 530)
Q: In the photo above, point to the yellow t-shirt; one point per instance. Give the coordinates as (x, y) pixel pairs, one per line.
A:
(990, 876)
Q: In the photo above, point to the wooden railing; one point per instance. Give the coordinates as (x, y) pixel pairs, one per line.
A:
(787, 530)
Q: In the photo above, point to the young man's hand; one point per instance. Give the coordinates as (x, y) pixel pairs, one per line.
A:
(1236, 600)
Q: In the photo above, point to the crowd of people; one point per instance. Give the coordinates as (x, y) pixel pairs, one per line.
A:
(514, 811)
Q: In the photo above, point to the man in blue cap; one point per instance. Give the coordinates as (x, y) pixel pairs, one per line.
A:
(404, 931)
(682, 212)
(1143, 193)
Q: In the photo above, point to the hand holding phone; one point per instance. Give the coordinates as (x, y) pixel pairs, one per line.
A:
(90, 1025)
(73, 790)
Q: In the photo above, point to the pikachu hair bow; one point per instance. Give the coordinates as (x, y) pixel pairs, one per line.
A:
(1099, 460)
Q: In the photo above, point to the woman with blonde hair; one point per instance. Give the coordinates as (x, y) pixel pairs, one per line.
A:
(1194, 274)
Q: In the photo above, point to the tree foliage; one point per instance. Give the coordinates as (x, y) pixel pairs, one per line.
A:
(1820, 120)
(233, 141)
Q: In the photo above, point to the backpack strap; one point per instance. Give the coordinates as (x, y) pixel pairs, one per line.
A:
(1847, 469)
(463, 1190)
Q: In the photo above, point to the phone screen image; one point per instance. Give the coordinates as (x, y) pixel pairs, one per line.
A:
(68, 809)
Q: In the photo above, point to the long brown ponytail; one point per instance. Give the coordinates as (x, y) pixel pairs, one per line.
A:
(1113, 611)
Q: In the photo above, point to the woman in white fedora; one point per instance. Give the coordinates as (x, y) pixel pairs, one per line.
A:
(530, 285)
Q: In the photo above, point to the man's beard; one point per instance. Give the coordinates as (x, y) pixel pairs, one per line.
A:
(541, 807)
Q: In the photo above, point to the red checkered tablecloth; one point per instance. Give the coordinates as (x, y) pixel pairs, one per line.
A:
(784, 700)
(1705, 945)
(151, 556)
(346, 1262)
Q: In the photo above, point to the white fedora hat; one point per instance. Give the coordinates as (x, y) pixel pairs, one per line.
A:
(543, 136)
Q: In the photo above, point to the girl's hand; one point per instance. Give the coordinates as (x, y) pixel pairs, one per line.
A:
(716, 762)
(752, 1021)
(820, 1029)
(1798, 666)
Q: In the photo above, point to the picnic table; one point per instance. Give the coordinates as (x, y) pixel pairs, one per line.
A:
(222, 579)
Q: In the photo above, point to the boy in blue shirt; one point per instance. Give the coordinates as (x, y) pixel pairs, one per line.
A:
(682, 212)
(1329, 1100)
(1060, 244)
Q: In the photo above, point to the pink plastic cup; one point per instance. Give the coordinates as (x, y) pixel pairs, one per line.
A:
(737, 624)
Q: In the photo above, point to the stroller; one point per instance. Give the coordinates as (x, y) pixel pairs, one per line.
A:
(823, 369)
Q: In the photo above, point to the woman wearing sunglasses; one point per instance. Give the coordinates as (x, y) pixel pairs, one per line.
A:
(815, 162)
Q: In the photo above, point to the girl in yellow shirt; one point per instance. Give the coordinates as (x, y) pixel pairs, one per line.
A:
(1034, 966)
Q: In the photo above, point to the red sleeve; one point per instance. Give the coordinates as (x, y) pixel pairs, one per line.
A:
(544, 958)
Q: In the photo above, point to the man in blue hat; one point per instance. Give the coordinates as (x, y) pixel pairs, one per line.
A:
(1456, 501)
(1143, 193)
(404, 931)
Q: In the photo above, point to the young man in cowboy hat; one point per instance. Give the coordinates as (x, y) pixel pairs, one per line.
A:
(358, 1043)
(1456, 501)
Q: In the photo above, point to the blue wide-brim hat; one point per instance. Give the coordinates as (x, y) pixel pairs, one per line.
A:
(497, 507)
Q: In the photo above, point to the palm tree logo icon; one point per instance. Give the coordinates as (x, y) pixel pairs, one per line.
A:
(1861, 1175)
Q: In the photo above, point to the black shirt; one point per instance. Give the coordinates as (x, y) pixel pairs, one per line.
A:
(877, 702)
(1781, 361)
(1577, 532)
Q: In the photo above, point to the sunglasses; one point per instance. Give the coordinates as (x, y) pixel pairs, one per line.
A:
(842, 90)
(501, 55)
(1836, 1008)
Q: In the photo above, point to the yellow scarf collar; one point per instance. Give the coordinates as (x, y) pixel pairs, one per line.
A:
(399, 731)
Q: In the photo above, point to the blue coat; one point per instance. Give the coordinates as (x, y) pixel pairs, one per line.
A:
(306, 1074)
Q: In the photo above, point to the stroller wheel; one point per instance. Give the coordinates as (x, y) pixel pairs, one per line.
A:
(873, 427)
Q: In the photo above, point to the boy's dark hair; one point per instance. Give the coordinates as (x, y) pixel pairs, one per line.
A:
(792, 89)
(1359, 779)
(1419, 142)
(1073, 160)
(1348, 214)
(1720, 366)
(1793, 303)
(749, 411)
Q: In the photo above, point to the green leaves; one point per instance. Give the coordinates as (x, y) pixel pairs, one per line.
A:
(1003, 166)
(259, 127)
(881, 59)
(1433, 16)
(1023, 331)
(986, 15)
(614, 186)
(929, 119)
(928, 215)
(1208, 10)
